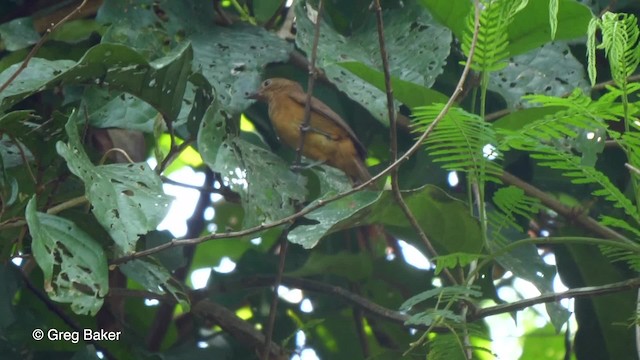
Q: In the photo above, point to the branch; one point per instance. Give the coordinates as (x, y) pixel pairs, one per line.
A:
(236, 327)
(38, 45)
(284, 245)
(570, 213)
(304, 128)
(547, 298)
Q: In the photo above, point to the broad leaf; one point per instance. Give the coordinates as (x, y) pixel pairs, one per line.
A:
(74, 265)
(416, 45)
(127, 199)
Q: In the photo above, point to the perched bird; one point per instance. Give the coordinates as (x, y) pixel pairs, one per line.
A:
(329, 139)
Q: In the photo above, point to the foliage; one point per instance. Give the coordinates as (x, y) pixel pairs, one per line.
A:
(168, 81)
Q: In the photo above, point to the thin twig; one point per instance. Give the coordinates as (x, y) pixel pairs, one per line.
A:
(174, 152)
(284, 246)
(23, 156)
(38, 45)
(304, 128)
(18, 222)
(393, 133)
(588, 291)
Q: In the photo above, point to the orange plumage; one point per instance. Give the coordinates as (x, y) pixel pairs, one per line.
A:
(329, 139)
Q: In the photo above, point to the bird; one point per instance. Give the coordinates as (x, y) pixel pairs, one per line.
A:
(328, 139)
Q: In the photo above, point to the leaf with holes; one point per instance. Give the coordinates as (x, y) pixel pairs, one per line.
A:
(156, 279)
(127, 199)
(549, 70)
(232, 58)
(417, 47)
(268, 188)
(160, 83)
(74, 265)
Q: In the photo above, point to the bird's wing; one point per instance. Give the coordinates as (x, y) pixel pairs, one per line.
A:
(322, 108)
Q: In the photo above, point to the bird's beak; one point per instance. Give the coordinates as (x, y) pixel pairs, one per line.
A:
(254, 96)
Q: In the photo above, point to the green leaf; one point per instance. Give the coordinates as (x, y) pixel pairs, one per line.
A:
(342, 214)
(550, 70)
(443, 294)
(268, 188)
(530, 27)
(127, 199)
(74, 265)
(231, 58)
(107, 109)
(355, 267)
(18, 33)
(408, 93)
(445, 220)
(156, 279)
(417, 48)
(520, 118)
(450, 13)
(160, 83)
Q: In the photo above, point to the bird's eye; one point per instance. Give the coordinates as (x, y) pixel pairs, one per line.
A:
(266, 83)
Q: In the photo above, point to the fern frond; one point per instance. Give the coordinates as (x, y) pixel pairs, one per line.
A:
(630, 142)
(620, 35)
(447, 347)
(460, 142)
(491, 47)
(451, 261)
(620, 42)
(443, 294)
(617, 254)
(571, 167)
(510, 201)
(619, 223)
(581, 114)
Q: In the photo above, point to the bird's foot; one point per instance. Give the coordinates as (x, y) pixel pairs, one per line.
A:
(307, 128)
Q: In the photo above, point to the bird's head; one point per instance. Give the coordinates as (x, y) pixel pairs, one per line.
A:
(271, 87)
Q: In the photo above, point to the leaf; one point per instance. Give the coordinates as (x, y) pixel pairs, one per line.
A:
(18, 33)
(355, 267)
(231, 58)
(530, 27)
(445, 220)
(450, 13)
(107, 109)
(267, 187)
(442, 293)
(551, 70)
(417, 48)
(342, 214)
(160, 83)
(127, 199)
(408, 93)
(156, 279)
(74, 265)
